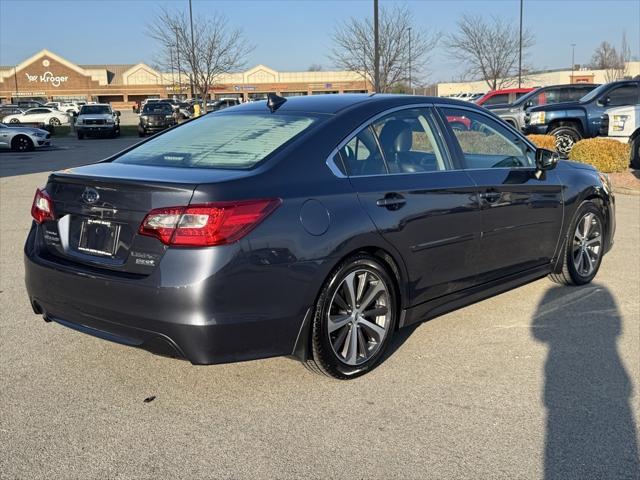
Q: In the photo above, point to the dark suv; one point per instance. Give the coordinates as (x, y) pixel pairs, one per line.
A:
(570, 122)
(514, 114)
(155, 117)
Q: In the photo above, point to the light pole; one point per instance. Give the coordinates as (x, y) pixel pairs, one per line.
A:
(178, 62)
(410, 83)
(573, 60)
(520, 48)
(376, 48)
(192, 49)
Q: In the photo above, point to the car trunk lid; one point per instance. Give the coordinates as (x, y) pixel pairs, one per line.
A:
(99, 209)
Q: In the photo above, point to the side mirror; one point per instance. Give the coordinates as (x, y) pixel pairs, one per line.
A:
(546, 159)
(528, 104)
(117, 112)
(604, 101)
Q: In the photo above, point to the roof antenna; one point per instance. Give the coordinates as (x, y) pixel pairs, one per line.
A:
(274, 101)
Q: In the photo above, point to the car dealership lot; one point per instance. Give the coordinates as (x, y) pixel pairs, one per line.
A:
(482, 392)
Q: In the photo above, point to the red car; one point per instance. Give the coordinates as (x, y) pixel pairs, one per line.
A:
(507, 95)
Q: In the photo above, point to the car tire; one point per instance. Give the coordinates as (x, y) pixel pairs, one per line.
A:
(54, 121)
(80, 136)
(14, 120)
(635, 153)
(566, 138)
(354, 342)
(141, 132)
(21, 143)
(583, 249)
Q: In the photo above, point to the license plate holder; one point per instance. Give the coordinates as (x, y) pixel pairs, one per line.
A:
(98, 237)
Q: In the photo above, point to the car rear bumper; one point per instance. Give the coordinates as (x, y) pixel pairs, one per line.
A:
(155, 128)
(189, 321)
(86, 129)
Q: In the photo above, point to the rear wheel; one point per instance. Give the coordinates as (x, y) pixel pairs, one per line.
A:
(566, 138)
(354, 319)
(635, 153)
(583, 248)
(21, 143)
(80, 135)
(141, 132)
(14, 120)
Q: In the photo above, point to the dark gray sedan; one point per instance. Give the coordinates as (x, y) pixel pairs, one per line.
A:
(313, 227)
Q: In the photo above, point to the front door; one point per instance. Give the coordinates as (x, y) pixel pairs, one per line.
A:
(522, 213)
(418, 201)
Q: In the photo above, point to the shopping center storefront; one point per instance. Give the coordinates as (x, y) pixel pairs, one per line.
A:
(49, 77)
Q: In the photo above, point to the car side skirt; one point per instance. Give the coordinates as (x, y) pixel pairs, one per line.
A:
(447, 303)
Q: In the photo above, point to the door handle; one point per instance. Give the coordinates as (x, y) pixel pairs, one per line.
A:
(391, 201)
(491, 196)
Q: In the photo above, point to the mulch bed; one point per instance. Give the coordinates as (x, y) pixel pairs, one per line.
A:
(626, 182)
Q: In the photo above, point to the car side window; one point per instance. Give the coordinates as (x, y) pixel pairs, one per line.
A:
(408, 142)
(487, 144)
(361, 155)
(623, 95)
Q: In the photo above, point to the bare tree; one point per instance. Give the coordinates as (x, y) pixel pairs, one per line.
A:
(489, 49)
(606, 57)
(216, 49)
(404, 48)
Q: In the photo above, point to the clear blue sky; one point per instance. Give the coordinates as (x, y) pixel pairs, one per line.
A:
(293, 34)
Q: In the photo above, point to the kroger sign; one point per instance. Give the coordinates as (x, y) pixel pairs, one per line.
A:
(48, 77)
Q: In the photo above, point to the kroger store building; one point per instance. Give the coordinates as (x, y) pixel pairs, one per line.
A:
(50, 77)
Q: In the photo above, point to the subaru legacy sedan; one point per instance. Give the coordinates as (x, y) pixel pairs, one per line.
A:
(308, 227)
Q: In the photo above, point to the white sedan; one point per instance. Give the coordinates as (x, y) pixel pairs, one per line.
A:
(39, 115)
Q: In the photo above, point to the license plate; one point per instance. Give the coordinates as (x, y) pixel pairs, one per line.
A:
(98, 237)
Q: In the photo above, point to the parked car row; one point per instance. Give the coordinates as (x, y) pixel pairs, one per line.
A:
(570, 122)
(569, 112)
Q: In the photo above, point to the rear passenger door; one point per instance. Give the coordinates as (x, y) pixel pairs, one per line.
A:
(521, 212)
(420, 203)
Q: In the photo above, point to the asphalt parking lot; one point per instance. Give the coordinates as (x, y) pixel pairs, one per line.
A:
(540, 382)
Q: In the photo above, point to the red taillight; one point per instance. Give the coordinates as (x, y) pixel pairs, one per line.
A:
(206, 225)
(42, 208)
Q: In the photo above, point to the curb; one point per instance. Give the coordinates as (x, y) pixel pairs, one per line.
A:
(626, 191)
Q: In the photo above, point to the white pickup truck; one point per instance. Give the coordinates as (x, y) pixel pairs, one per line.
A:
(623, 124)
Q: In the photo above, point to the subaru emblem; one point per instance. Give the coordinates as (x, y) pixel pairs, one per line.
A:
(90, 195)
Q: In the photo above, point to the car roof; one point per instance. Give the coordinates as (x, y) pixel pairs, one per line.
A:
(97, 105)
(334, 103)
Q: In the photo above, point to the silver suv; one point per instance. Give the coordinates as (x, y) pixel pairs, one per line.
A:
(97, 119)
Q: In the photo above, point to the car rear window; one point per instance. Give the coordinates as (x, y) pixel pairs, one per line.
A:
(235, 141)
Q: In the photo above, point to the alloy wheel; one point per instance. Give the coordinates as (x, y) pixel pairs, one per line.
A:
(564, 143)
(22, 144)
(587, 244)
(54, 121)
(359, 316)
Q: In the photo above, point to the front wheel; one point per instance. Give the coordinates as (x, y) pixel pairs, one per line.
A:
(635, 153)
(54, 121)
(566, 138)
(22, 143)
(354, 320)
(14, 120)
(584, 247)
